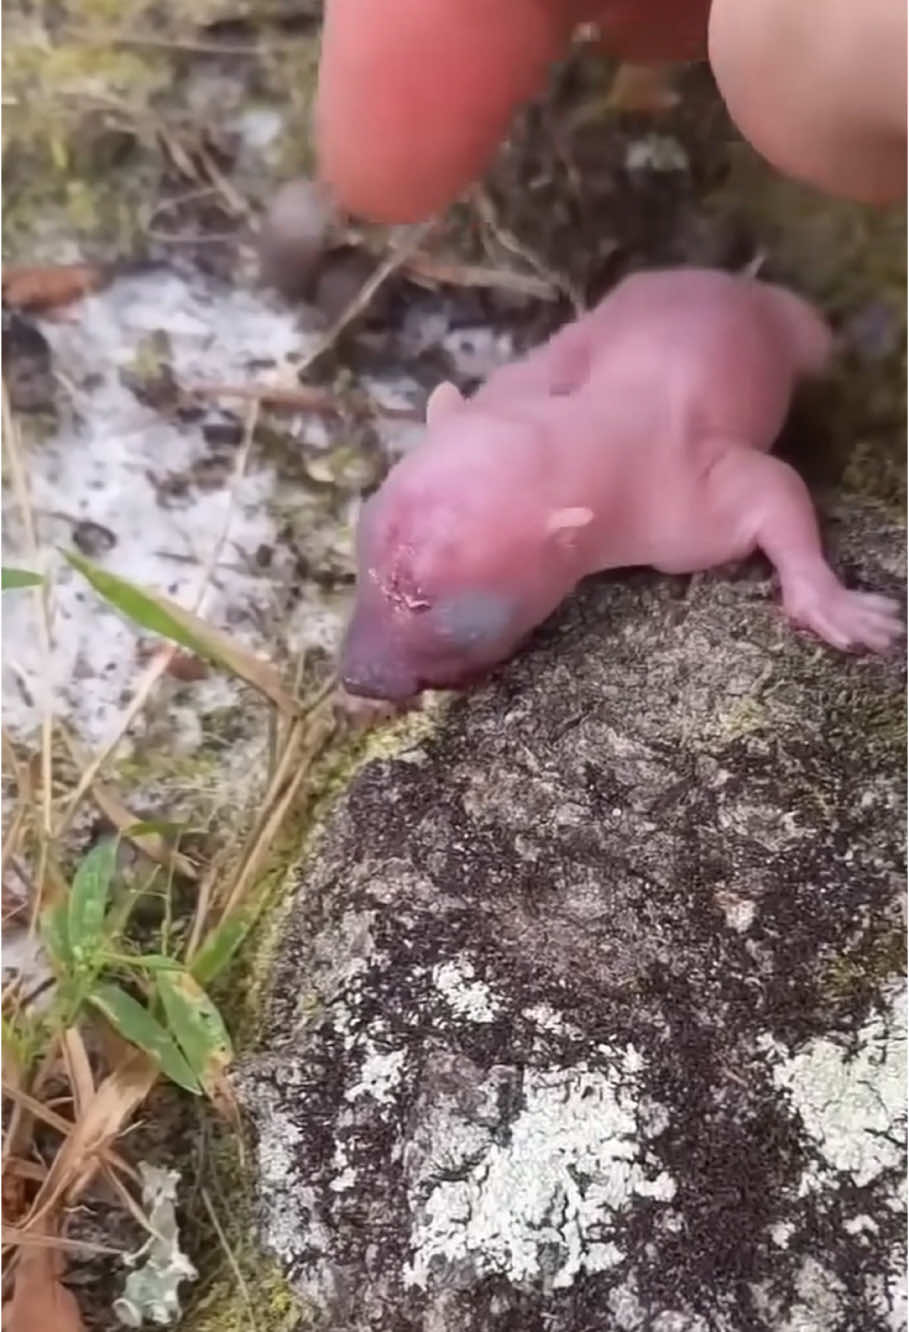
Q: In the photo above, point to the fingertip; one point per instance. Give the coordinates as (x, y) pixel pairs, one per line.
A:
(415, 95)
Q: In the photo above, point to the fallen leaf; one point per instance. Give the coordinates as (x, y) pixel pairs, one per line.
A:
(106, 1113)
(43, 288)
(13, 1192)
(187, 667)
(39, 1299)
(78, 1068)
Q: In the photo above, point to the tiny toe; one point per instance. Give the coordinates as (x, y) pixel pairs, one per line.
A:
(827, 627)
(873, 631)
(876, 639)
(886, 605)
(883, 621)
(886, 626)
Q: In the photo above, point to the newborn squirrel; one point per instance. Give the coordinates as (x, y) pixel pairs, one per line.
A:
(637, 435)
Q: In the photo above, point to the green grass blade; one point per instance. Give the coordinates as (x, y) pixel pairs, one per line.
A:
(162, 616)
(13, 578)
(195, 1024)
(220, 946)
(143, 961)
(155, 827)
(137, 1025)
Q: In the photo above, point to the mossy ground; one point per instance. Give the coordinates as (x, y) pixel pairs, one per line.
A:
(108, 113)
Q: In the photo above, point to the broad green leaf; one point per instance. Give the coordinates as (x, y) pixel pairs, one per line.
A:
(195, 1024)
(220, 946)
(158, 613)
(137, 1025)
(55, 936)
(19, 578)
(88, 899)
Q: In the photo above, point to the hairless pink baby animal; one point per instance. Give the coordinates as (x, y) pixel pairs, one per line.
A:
(638, 435)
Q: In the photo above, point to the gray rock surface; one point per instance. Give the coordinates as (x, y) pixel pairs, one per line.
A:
(587, 1012)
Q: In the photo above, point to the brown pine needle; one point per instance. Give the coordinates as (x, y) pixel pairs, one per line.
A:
(447, 273)
(19, 1236)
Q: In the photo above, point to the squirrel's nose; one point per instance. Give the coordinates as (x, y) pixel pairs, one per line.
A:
(371, 664)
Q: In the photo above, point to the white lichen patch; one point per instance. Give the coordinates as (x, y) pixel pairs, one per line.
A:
(152, 1291)
(466, 997)
(277, 1157)
(781, 1233)
(739, 912)
(851, 1105)
(548, 1199)
(550, 1021)
(379, 1075)
(819, 1306)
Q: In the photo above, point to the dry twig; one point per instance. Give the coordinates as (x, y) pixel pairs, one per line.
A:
(398, 257)
(20, 488)
(229, 1255)
(447, 273)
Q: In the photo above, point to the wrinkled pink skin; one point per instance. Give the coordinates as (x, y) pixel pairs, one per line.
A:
(638, 435)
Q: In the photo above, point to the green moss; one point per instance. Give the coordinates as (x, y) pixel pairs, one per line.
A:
(243, 989)
(748, 715)
(219, 1304)
(84, 153)
(224, 1308)
(156, 765)
(841, 253)
(880, 956)
(292, 73)
(77, 115)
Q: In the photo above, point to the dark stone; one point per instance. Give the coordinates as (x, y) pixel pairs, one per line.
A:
(549, 972)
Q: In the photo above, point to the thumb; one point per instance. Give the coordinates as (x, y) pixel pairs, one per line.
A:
(819, 88)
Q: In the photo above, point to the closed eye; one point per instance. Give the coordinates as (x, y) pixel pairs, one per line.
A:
(472, 619)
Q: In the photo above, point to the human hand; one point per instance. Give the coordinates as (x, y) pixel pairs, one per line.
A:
(415, 95)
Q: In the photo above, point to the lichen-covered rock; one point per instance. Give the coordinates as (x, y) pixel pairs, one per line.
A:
(587, 1013)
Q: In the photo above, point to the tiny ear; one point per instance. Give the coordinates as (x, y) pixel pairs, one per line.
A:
(443, 399)
(566, 521)
(563, 526)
